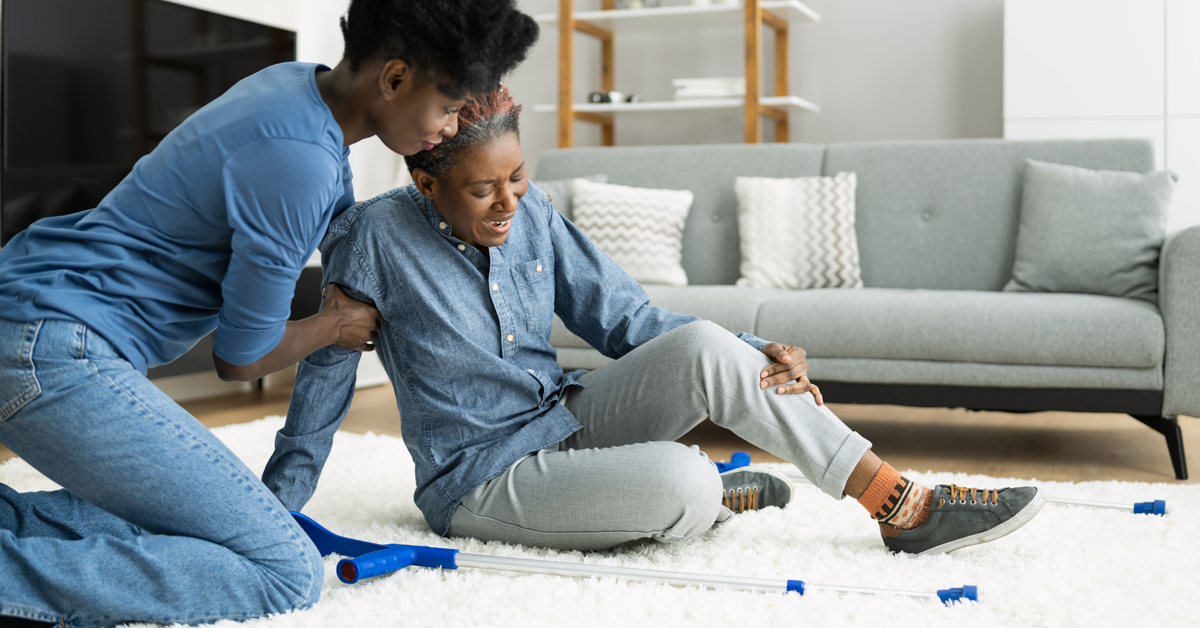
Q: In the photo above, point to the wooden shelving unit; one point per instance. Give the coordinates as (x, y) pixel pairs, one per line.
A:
(606, 23)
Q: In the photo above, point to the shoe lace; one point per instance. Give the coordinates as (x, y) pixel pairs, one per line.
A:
(960, 493)
(740, 499)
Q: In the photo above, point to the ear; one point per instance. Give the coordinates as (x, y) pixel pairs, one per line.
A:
(394, 77)
(425, 182)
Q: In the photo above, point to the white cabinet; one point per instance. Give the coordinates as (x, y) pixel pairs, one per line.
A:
(1183, 57)
(1109, 68)
(1083, 58)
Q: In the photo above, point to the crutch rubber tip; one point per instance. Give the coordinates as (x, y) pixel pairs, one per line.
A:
(1156, 507)
(953, 595)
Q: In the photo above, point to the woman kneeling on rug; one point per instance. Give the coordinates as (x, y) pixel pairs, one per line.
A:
(467, 266)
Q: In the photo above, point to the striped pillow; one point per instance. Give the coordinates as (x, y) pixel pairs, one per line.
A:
(641, 229)
(798, 233)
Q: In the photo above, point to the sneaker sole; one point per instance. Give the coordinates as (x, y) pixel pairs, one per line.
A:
(1021, 518)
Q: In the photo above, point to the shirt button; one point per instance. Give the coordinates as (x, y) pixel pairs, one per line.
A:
(441, 225)
(510, 337)
(539, 268)
(462, 248)
(495, 287)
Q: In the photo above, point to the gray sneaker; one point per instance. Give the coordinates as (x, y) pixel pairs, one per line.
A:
(754, 488)
(960, 517)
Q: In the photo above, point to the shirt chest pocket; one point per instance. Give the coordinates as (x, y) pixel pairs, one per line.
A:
(535, 287)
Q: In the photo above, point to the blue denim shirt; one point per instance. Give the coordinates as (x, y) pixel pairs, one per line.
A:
(465, 342)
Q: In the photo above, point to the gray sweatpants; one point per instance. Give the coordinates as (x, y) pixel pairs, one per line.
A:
(622, 477)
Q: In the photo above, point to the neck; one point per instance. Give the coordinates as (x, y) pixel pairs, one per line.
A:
(344, 92)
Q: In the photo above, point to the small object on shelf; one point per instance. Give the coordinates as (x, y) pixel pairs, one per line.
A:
(613, 97)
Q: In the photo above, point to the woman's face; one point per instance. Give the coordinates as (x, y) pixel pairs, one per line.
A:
(413, 115)
(479, 195)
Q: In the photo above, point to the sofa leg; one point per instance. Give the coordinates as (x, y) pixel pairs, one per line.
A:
(1169, 427)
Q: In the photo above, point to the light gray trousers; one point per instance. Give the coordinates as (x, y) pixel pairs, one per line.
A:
(621, 477)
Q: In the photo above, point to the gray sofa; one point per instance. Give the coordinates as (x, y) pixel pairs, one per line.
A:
(937, 227)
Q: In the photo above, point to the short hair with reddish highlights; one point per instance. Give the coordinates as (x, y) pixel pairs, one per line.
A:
(488, 116)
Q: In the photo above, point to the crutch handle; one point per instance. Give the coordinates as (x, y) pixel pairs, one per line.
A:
(364, 560)
(377, 563)
(391, 558)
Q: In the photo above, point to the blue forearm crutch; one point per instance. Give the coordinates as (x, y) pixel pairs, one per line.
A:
(1156, 507)
(364, 560)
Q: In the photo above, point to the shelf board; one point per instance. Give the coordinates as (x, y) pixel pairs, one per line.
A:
(680, 105)
(684, 17)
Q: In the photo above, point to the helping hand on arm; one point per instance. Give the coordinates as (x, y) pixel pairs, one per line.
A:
(343, 321)
(790, 365)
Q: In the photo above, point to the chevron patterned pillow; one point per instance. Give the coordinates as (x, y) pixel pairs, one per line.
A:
(641, 229)
(798, 233)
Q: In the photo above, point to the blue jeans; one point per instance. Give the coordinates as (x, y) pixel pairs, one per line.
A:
(157, 520)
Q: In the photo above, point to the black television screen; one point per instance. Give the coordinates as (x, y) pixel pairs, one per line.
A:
(89, 86)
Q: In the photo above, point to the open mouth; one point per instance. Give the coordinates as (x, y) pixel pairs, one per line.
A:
(498, 227)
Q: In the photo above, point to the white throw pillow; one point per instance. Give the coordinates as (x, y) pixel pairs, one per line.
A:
(641, 229)
(798, 233)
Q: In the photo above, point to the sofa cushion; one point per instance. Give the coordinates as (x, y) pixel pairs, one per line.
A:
(966, 326)
(943, 214)
(710, 236)
(1091, 231)
(798, 233)
(641, 229)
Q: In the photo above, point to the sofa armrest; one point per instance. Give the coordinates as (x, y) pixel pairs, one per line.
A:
(1179, 301)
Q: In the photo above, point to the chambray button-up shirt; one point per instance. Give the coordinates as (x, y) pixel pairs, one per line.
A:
(465, 342)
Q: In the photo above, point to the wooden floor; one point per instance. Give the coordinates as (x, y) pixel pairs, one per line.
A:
(1056, 446)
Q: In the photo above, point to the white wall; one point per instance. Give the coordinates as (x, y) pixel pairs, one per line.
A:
(880, 70)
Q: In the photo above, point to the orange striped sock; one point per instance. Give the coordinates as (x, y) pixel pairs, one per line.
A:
(894, 499)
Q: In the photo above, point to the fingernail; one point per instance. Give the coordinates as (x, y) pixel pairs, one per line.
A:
(762, 385)
(782, 389)
(764, 374)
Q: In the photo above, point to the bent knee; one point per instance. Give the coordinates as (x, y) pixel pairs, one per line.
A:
(294, 580)
(688, 491)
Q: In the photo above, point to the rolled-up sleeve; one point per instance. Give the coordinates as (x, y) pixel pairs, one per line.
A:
(277, 216)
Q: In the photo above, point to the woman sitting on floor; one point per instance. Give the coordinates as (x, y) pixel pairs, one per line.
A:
(467, 266)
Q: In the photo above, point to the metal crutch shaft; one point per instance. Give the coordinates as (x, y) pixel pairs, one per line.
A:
(364, 560)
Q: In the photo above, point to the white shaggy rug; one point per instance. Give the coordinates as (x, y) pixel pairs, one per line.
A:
(1070, 566)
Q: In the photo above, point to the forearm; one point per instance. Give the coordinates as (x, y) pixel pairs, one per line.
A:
(321, 398)
(300, 338)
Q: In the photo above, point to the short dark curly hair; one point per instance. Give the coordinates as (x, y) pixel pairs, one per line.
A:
(465, 45)
(485, 118)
